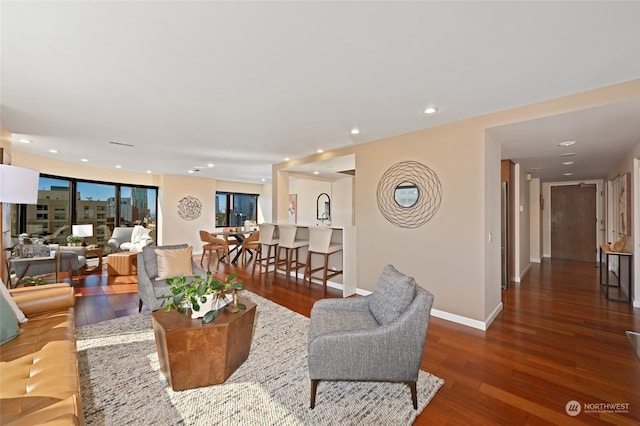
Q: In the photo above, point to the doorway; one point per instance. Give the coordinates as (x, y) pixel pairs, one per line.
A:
(573, 219)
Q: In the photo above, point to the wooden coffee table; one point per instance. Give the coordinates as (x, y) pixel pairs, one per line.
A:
(122, 263)
(193, 355)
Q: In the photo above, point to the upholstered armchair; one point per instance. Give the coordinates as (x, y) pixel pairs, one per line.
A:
(379, 337)
(71, 259)
(155, 265)
(129, 239)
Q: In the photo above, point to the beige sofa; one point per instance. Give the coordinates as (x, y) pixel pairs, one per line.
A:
(39, 377)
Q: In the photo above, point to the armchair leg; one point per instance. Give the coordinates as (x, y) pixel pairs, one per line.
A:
(314, 388)
(139, 305)
(414, 394)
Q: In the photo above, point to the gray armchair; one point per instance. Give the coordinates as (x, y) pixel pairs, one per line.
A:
(379, 337)
(71, 259)
(154, 292)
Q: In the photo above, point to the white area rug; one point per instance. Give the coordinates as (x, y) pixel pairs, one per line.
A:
(122, 382)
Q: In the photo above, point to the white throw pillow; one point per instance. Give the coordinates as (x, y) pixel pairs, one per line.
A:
(14, 306)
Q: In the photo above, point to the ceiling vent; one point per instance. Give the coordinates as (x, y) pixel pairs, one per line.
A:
(128, 145)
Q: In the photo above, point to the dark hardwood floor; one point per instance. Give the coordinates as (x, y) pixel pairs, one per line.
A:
(556, 340)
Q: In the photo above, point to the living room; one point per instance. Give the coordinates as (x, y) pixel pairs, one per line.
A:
(463, 231)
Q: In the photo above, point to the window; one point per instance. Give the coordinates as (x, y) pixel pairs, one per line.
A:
(63, 202)
(232, 209)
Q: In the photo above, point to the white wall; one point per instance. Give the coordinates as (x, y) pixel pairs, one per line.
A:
(340, 193)
(522, 226)
(535, 221)
(493, 231)
(630, 165)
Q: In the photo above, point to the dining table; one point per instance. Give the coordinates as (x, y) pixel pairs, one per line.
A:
(239, 235)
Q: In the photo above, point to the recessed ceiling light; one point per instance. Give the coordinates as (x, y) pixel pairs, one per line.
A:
(118, 166)
(210, 165)
(355, 131)
(263, 180)
(25, 141)
(430, 110)
(316, 173)
(149, 171)
(567, 163)
(536, 168)
(568, 154)
(320, 151)
(567, 143)
(287, 159)
(53, 151)
(568, 174)
(191, 171)
(84, 160)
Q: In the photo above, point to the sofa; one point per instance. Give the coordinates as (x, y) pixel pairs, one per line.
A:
(39, 376)
(129, 239)
(156, 264)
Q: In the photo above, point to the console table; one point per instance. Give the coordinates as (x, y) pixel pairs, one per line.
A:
(606, 250)
(45, 262)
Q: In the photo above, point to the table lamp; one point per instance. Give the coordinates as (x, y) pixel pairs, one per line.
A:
(18, 185)
(85, 230)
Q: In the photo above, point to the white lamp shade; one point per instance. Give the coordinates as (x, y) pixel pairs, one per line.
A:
(18, 185)
(82, 230)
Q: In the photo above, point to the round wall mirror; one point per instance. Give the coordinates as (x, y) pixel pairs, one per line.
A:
(406, 194)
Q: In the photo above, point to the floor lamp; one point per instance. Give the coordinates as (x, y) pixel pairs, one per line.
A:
(18, 185)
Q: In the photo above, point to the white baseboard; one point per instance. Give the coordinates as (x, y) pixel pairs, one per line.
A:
(636, 303)
(459, 319)
(522, 275)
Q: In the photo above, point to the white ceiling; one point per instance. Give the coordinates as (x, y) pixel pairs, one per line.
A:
(243, 85)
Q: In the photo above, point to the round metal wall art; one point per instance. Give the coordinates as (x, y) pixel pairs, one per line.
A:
(189, 208)
(429, 194)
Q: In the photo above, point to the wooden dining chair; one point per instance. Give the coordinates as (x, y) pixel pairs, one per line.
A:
(210, 245)
(231, 240)
(251, 243)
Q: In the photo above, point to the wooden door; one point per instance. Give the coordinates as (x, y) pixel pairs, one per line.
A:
(573, 222)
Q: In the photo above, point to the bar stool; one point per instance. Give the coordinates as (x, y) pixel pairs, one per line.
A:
(320, 243)
(287, 236)
(266, 238)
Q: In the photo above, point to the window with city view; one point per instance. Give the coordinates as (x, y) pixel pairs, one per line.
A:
(64, 202)
(233, 209)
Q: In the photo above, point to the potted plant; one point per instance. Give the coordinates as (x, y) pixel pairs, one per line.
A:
(72, 240)
(202, 292)
(29, 281)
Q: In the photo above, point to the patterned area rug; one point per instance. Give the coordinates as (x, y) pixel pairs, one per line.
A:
(122, 382)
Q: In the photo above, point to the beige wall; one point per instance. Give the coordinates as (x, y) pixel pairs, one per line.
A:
(451, 255)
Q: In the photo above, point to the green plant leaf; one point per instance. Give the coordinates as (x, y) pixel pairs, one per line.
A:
(231, 277)
(167, 308)
(209, 316)
(237, 286)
